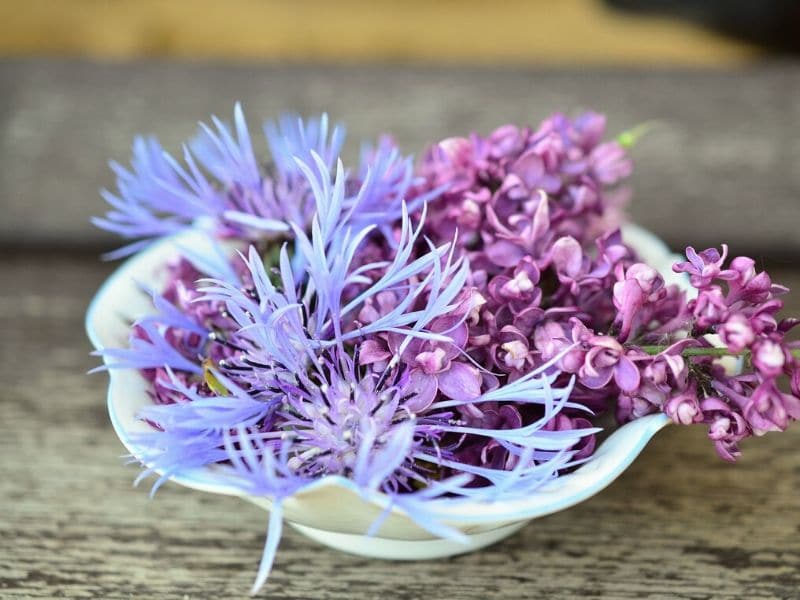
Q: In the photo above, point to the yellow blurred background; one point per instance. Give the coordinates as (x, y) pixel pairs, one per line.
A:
(444, 31)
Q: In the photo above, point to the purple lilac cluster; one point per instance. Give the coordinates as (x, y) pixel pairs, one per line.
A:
(738, 304)
(537, 213)
(450, 329)
(718, 362)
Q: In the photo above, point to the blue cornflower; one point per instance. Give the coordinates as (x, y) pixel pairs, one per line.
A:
(268, 378)
(222, 184)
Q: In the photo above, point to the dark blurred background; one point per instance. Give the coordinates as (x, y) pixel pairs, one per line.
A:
(769, 24)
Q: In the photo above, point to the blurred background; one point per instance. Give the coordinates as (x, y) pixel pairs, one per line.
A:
(643, 32)
(79, 78)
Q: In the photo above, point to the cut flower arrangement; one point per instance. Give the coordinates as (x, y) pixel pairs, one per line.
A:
(440, 333)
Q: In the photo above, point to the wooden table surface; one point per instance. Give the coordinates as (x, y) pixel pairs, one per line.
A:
(679, 523)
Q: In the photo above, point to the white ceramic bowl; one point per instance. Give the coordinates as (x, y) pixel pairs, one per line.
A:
(334, 511)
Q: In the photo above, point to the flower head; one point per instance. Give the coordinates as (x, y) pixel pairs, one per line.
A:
(222, 185)
(329, 362)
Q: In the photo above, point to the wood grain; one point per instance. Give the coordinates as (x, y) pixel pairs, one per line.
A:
(679, 524)
(722, 164)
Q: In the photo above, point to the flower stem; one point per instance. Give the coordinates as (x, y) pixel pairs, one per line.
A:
(711, 351)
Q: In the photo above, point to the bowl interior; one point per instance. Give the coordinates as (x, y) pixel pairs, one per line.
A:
(335, 503)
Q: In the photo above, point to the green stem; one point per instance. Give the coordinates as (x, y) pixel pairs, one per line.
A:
(713, 351)
(695, 351)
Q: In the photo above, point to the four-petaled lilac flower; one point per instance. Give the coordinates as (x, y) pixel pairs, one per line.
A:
(606, 359)
(704, 267)
(434, 366)
(684, 408)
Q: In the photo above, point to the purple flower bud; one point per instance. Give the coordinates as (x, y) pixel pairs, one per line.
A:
(610, 163)
(667, 369)
(471, 306)
(709, 308)
(455, 149)
(737, 332)
(516, 292)
(722, 431)
(646, 276)
(762, 316)
(744, 267)
(470, 215)
(769, 358)
(567, 257)
(589, 128)
(646, 401)
(515, 354)
(550, 340)
(505, 141)
(726, 427)
(519, 287)
(431, 362)
(749, 285)
(684, 408)
(550, 146)
(787, 324)
(769, 409)
(610, 247)
(581, 198)
(629, 297)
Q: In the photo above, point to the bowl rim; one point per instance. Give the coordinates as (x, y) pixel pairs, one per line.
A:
(612, 457)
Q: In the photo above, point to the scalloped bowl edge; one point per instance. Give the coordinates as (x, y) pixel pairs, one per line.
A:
(333, 510)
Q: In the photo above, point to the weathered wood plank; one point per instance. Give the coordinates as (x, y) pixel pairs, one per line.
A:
(679, 524)
(722, 166)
